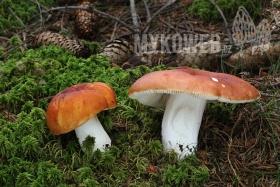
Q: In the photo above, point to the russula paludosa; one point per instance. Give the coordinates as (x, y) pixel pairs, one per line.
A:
(76, 108)
(184, 93)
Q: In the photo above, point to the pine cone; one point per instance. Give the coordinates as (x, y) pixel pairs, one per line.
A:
(85, 23)
(118, 51)
(50, 38)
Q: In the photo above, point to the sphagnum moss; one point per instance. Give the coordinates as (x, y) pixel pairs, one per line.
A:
(31, 154)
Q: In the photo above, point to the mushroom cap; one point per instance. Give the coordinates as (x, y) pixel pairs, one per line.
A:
(75, 105)
(153, 89)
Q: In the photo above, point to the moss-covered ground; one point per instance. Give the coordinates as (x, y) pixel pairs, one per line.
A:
(32, 156)
(239, 144)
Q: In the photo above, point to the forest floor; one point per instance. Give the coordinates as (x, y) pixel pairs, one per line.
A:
(239, 144)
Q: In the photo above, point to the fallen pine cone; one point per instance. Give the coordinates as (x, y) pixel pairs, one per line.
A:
(118, 51)
(185, 57)
(50, 38)
(85, 23)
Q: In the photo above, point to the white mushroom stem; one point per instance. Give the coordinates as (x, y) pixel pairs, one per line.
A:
(94, 128)
(181, 123)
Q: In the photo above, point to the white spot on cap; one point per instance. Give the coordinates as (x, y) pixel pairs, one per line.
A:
(223, 85)
(214, 79)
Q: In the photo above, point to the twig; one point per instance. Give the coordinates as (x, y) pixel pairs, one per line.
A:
(16, 16)
(171, 26)
(92, 9)
(148, 15)
(114, 30)
(2, 2)
(134, 17)
(234, 171)
(47, 98)
(24, 39)
(4, 38)
(40, 10)
(225, 20)
(62, 18)
(39, 5)
(11, 50)
(261, 109)
(270, 95)
(156, 13)
(251, 147)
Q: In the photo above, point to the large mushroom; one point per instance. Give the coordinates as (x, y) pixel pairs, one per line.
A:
(77, 107)
(184, 93)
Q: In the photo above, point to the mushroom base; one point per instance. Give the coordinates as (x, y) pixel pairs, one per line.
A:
(181, 123)
(94, 128)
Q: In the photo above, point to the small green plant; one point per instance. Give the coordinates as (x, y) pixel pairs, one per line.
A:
(29, 145)
(155, 148)
(88, 145)
(15, 41)
(24, 179)
(186, 173)
(54, 176)
(85, 173)
(90, 183)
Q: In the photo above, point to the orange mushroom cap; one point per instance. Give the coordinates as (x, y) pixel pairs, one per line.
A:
(74, 106)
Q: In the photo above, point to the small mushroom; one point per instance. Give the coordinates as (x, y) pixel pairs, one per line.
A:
(184, 93)
(77, 107)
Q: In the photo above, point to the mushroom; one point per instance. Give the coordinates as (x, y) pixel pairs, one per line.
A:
(76, 108)
(184, 93)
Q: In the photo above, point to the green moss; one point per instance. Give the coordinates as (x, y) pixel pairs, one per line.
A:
(205, 10)
(221, 111)
(15, 41)
(186, 171)
(24, 10)
(31, 156)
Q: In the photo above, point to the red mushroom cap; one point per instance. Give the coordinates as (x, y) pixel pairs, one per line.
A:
(154, 88)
